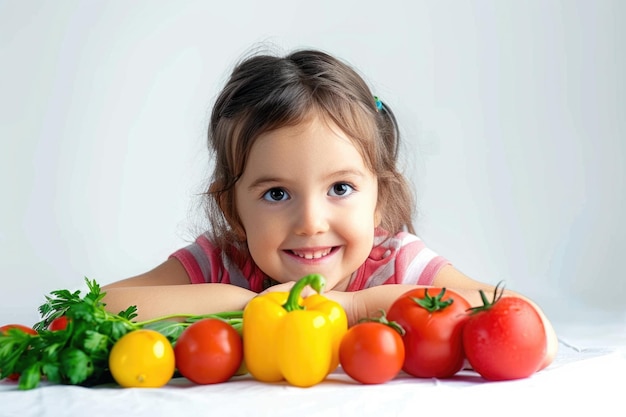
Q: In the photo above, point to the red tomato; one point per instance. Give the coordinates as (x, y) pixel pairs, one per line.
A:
(60, 323)
(25, 329)
(21, 327)
(209, 351)
(433, 320)
(371, 352)
(505, 339)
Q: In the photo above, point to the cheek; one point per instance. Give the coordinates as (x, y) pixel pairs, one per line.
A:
(257, 241)
(262, 231)
(359, 226)
(366, 212)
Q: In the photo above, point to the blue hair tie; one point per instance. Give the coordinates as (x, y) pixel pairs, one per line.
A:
(379, 104)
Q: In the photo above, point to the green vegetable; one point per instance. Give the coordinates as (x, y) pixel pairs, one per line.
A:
(78, 354)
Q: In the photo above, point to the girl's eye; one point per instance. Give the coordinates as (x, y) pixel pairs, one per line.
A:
(275, 194)
(341, 189)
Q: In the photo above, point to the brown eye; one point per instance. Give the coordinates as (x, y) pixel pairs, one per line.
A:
(341, 189)
(276, 194)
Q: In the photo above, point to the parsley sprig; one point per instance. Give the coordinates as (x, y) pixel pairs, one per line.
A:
(78, 354)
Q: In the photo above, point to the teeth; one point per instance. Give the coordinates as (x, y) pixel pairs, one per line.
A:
(312, 255)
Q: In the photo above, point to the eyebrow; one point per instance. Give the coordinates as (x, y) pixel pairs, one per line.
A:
(262, 181)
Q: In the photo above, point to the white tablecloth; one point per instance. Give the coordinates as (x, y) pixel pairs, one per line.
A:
(586, 377)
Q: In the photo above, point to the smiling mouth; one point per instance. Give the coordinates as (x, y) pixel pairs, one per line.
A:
(313, 254)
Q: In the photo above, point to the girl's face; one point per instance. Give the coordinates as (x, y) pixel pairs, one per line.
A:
(307, 203)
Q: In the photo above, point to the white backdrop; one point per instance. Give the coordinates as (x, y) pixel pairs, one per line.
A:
(512, 114)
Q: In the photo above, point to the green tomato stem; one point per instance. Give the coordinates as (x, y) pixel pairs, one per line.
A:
(497, 294)
(384, 320)
(435, 303)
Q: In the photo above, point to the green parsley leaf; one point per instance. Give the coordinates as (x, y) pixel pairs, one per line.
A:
(76, 365)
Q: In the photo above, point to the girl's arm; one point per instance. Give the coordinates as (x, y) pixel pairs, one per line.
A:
(166, 290)
(368, 302)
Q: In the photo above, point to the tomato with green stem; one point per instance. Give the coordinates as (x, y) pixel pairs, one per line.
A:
(372, 351)
(433, 328)
(504, 339)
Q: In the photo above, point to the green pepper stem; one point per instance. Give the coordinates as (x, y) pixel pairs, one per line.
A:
(315, 281)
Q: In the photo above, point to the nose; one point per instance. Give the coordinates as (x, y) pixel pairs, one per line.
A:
(312, 217)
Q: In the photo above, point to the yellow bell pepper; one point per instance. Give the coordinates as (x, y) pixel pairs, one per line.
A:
(289, 338)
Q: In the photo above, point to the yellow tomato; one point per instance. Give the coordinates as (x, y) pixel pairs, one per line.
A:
(142, 358)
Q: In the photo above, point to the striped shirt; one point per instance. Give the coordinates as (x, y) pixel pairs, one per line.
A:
(399, 259)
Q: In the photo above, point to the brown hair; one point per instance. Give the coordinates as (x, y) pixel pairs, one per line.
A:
(266, 92)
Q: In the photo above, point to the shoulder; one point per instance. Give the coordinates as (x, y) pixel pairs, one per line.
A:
(207, 262)
(390, 244)
(400, 258)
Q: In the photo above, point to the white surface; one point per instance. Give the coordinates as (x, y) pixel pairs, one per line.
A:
(585, 379)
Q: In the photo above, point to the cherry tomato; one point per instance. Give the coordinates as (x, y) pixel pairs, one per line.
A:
(433, 320)
(505, 339)
(371, 352)
(142, 358)
(60, 323)
(25, 329)
(209, 351)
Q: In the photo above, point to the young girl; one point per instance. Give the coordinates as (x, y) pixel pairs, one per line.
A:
(305, 181)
